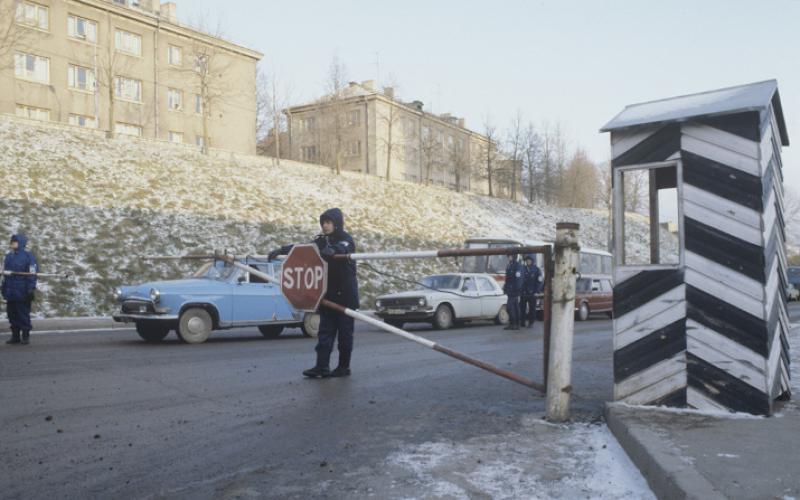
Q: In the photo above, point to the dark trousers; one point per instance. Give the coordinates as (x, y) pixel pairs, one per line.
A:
(19, 315)
(512, 306)
(527, 308)
(331, 326)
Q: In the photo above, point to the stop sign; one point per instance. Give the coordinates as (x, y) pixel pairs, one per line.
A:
(304, 278)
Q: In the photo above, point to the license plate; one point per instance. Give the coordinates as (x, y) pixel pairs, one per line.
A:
(396, 311)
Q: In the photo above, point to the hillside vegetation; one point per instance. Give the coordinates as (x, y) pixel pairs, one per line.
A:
(94, 206)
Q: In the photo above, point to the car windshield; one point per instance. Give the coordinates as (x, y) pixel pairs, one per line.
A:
(440, 282)
(219, 271)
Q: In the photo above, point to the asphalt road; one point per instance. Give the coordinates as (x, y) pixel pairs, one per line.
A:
(104, 415)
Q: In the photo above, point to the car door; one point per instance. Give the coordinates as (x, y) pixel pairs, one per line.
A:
(470, 300)
(253, 299)
(608, 294)
(492, 298)
(596, 301)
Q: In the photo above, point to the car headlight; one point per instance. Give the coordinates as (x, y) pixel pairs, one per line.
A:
(378, 303)
(117, 293)
(422, 301)
(155, 295)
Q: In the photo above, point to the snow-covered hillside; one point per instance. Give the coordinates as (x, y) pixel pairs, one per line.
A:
(94, 206)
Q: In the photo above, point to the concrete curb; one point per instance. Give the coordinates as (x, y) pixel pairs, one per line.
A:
(71, 324)
(668, 474)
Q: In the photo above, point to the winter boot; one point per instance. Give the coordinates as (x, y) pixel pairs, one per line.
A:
(14, 336)
(515, 326)
(26, 335)
(343, 370)
(509, 326)
(322, 368)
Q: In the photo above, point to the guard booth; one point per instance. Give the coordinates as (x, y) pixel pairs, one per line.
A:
(700, 318)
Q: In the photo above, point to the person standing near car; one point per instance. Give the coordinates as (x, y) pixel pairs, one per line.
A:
(513, 288)
(19, 291)
(531, 284)
(342, 289)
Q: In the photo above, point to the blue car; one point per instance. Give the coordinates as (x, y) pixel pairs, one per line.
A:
(218, 296)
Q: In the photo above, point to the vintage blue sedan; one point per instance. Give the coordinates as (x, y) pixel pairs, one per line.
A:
(218, 296)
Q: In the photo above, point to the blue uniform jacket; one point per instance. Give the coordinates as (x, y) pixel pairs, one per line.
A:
(16, 288)
(531, 284)
(513, 284)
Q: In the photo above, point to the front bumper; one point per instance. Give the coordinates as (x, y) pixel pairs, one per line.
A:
(419, 315)
(131, 318)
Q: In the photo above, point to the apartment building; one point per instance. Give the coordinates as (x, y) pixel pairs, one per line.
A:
(370, 131)
(127, 67)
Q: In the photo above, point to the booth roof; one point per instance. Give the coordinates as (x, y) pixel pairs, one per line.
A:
(749, 97)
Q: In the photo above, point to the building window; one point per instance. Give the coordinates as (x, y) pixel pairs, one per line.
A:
(80, 78)
(175, 99)
(128, 89)
(174, 55)
(353, 118)
(83, 121)
(32, 67)
(128, 129)
(127, 42)
(82, 29)
(308, 124)
(353, 148)
(309, 153)
(176, 137)
(33, 15)
(200, 141)
(198, 104)
(33, 113)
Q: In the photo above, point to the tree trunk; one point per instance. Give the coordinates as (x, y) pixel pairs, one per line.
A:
(276, 128)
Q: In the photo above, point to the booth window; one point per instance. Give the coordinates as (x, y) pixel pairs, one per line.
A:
(649, 203)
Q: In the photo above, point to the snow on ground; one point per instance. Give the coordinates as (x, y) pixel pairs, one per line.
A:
(794, 353)
(93, 206)
(540, 461)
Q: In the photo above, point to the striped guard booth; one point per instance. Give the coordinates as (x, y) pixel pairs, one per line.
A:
(708, 329)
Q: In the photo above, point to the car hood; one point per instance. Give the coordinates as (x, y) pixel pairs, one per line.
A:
(409, 293)
(194, 285)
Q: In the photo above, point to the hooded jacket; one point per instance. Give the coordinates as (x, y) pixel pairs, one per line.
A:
(342, 278)
(531, 278)
(513, 285)
(16, 288)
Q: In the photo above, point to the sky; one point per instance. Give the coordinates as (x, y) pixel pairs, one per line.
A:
(576, 63)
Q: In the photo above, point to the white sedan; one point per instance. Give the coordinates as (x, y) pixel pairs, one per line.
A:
(445, 299)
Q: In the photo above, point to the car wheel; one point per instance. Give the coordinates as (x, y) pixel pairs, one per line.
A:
(502, 316)
(270, 331)
(310, 326)
(152, 332)
(394, 323)
(195, 326)
(583, 312)
(443, 317)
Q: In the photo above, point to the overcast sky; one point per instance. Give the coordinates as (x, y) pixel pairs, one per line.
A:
(575, 62)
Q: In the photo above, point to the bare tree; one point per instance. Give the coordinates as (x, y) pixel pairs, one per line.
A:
(490, 153)
(331, 114)
(108, 66)
(532, 161)
(580, 183)
(515, 145)
(606, 189)
(389, 116)
(272, 97)
(431, 153)
(12, 35)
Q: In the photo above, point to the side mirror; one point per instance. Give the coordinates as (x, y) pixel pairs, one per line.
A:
(241, 279)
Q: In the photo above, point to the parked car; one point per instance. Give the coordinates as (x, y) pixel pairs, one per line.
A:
(446, 299)
(593, 295)
(792, 293)
(218, 296)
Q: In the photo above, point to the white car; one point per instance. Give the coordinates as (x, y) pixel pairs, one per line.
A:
(792, 293)
(445, 299)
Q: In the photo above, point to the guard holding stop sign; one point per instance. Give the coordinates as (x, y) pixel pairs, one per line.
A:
(342, 289)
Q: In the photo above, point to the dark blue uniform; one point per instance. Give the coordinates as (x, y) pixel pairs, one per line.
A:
(342, 289)
(513, 289)
(531, 285)
(18, 291)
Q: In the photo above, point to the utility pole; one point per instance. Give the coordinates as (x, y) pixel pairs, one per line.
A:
(559, 373)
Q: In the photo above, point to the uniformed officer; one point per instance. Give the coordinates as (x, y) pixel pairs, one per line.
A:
(19, 290)
(531, 285)
(513, 288)
(342, 289)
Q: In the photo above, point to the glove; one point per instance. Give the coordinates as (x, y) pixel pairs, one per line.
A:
(320, 238)
(274, 254)
(328, 252)
(31, 295)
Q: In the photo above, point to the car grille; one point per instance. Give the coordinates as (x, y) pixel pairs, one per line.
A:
(400, 302)
(137, 307)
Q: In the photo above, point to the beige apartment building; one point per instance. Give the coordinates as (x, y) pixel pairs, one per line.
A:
(370, 131)
(127, 67)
